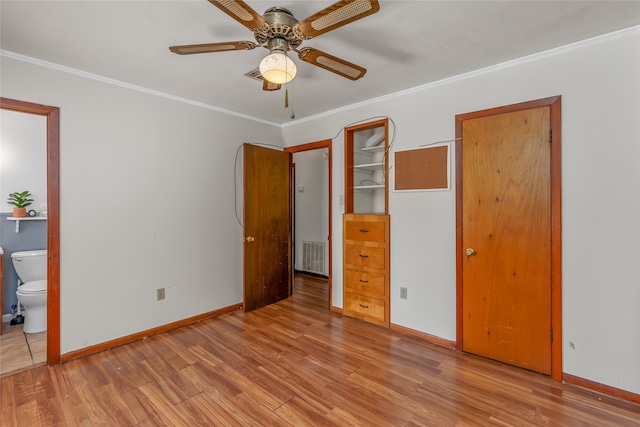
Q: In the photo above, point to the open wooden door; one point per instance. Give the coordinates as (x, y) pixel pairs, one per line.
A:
(507, 238)
(266, 226)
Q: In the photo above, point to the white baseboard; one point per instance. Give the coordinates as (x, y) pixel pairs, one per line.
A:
(7, 317)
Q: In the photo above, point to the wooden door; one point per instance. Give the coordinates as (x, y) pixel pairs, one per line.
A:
(506, 237)
(266, 226)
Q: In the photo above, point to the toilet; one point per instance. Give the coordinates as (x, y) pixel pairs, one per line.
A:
(31, 267)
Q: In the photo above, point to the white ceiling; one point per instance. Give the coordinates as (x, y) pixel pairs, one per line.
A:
(406, 44)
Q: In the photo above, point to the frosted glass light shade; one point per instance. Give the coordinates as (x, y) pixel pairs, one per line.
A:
(278, 68)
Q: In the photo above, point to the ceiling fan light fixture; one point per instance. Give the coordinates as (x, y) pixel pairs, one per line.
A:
(278, 68)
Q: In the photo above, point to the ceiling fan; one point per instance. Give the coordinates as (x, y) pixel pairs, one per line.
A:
(279, 31)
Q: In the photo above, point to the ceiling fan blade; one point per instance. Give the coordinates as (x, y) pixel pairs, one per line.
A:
(268, 86)
(241, 12)
(190, 49)
(335, 16)
(331, 63)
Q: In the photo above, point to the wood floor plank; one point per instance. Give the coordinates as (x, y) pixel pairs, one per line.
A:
(206, 377)
(247, 411)
(158, 408)
(55, 413)
(135, 407)
(358, 402)
(296, 363)
(22, 389)
(115, 406)
(295, 379)
(28, 414)
(47, 392)
(202, 410)
(257, 385)
(298, 411)
(174, 385)
(118, 376)
(8, 401)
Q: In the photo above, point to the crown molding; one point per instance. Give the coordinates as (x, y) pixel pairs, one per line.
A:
(126, 85)
(490, 69)
(493, 68)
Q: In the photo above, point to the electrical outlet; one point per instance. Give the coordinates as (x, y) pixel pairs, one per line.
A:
(403, 293)
(160, 293)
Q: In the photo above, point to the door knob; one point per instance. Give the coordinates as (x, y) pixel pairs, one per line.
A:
(249, 239)
(471, 252)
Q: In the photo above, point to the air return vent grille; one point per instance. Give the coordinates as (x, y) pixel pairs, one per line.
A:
(313, 257)
(255, 74)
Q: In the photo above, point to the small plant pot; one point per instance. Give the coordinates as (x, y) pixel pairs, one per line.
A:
(19, 212)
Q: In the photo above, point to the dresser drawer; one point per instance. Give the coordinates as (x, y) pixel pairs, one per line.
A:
(364, 282)
(365, 231)
(366, 308)
(364, 256)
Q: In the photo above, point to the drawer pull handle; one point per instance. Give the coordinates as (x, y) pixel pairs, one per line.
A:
(364, 281)
(364, 306)
(364, 230)
(364, 256)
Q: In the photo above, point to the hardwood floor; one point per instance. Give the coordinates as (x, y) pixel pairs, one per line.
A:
(294, 363)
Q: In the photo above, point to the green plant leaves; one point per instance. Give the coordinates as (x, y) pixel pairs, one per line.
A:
(20, 199)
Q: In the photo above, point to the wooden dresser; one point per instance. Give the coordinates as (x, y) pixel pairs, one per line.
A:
(366, 267)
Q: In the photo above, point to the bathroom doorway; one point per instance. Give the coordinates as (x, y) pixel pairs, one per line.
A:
(311, 242)
(52, 116)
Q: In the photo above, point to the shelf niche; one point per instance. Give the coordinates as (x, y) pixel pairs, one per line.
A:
(366, 168)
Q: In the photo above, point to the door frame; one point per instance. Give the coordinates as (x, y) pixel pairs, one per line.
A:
(556, 221)
(53, 217)
(308, 147)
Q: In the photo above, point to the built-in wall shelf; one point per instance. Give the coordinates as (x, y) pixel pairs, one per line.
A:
(366, 161)
(367, 187)
(375, 148)
(369, 166)
(28, 218)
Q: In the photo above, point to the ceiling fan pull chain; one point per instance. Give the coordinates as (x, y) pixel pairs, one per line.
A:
(286, 101)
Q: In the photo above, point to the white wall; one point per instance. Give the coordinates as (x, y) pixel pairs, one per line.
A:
(599, 82)
(130, 160)
(311, 210)
(23, 157)
(147, 196)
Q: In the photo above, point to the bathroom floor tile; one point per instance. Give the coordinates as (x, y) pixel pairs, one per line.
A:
(12, 340)
(37, 346)
(39, 358)
(20, 351)
(9, 329)
(15, 359)
(39, 336)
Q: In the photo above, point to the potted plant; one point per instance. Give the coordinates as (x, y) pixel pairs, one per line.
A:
(20, 201)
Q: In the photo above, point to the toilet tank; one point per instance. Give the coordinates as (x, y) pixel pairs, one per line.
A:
(30, 265)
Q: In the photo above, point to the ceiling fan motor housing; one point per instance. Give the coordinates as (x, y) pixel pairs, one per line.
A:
(279, 34)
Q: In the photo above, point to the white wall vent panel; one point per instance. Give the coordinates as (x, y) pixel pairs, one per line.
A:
(313, 257)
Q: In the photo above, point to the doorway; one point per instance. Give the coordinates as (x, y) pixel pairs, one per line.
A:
(508, 235)
(52, 115)
(320, 147)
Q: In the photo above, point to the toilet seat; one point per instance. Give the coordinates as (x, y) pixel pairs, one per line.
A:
(35, 287)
